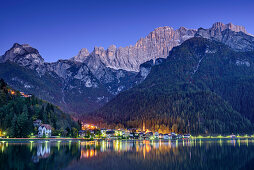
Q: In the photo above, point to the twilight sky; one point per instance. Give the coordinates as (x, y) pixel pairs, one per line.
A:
(60, 28)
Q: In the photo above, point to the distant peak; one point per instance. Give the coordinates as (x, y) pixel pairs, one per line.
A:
(84, 51)
(82, 55)
(15, 45)
(26, 45)
(182, 28)
(220, 26)
(23, 54)
(112, 48)
(163, 28)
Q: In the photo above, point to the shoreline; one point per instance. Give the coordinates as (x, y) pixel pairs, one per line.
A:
(102, 139)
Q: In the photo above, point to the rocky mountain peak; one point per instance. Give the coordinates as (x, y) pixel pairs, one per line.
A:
(221, 27)
(232, 35)
(23, 54)
(155, 45)
(99, 51)
(161, 40)
(82, 55)
(112, 48)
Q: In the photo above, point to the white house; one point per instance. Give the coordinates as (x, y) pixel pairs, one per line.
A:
(156, 135)
(44, 129)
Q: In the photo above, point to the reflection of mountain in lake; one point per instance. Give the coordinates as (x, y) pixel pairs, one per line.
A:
(194, 154)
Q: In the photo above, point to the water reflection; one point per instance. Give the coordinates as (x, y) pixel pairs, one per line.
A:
(117, 154)
(43, 151)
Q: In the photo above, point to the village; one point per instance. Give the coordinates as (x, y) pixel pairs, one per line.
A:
(92, 131)
(89, 131)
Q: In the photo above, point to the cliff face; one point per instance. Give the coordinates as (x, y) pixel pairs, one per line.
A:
(159, 42)
(156, 44)
(234, 36)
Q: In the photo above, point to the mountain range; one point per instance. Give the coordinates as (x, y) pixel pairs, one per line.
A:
(203, 87)
(87, 81)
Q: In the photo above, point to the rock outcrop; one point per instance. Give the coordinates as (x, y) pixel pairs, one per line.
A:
(234, 36)
(159, 42)
(23, 55)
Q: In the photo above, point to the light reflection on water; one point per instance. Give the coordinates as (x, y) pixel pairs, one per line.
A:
(123, 154)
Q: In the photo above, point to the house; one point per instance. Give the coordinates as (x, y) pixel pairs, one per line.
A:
(186, 136)
(161, 136)
(110, 133)
(149, 135)
(173, 136)
(156, 135)
(166, 137)
(25, 95)
(119, 132)
(126, 134)
(82, 133)
(37, 123)
(44, 130)
(134, 135)
(86, 133)
(103, 132)
(141, 135)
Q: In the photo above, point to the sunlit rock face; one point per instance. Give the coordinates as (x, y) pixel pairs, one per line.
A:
(219, 27)
(82, 55)
(159, 42)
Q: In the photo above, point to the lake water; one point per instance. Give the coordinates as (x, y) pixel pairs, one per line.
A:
(117, 154)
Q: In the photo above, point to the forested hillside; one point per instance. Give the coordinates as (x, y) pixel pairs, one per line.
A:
(203, 87)
(17, 114)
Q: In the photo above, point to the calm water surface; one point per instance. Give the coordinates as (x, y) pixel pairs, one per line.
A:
(190, 154)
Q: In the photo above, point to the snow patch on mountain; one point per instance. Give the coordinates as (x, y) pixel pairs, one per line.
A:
(242, 63)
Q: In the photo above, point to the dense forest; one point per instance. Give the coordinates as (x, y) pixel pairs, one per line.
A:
(17, 114)
(203, 87)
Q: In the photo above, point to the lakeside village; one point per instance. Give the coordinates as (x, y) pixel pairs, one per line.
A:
(92, 132)
(89, 131)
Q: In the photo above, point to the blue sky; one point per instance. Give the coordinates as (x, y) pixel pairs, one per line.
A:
(60, 28)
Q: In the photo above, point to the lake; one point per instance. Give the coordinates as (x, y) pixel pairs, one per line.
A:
(122, 154)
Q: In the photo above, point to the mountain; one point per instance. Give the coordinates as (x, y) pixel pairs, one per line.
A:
(156, 44)
(87, 81)
(74, 86)
(234, 36)
(159, 42)
(18, 112)
(203, 87)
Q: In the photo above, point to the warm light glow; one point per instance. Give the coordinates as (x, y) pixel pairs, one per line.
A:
(12, 92)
